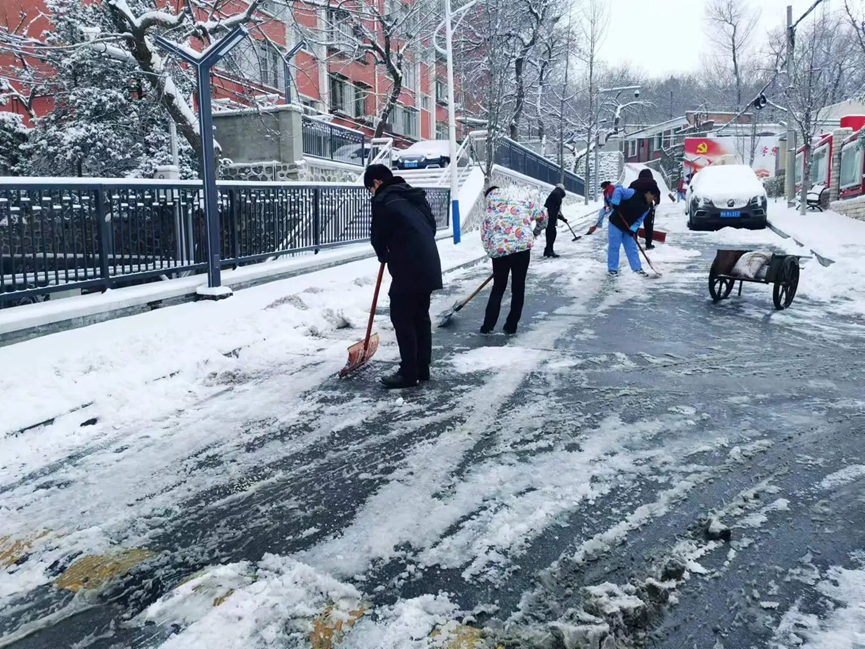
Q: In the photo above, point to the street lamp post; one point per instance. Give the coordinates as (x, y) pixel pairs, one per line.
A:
(447, 51)
(203, 62)
(790, 174)
(452, 124)
(790, 177)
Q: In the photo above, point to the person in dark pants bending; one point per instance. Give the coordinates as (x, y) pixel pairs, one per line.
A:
(649, 222)
(403, 236)
(508, 233)
(554, 212)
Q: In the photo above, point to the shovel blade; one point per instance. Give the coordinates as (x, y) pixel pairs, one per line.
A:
(659, 236)
(359, 355)
(446, 318)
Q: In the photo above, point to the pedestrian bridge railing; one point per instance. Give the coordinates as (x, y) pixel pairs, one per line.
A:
(95, 234)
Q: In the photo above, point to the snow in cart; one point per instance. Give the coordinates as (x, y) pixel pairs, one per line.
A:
(619, 473)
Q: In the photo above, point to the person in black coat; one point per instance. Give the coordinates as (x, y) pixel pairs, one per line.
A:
(649, 222)
(403, 236)
(554, 211)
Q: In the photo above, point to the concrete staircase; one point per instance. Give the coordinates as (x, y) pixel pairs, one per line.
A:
(433, 177)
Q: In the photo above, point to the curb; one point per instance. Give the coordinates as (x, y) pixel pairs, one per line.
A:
(824, 261)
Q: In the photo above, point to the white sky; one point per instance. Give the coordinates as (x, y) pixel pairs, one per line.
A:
(666, 36)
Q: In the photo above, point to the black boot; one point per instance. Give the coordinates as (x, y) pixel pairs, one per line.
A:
(397, 382)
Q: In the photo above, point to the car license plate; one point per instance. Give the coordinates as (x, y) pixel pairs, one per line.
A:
(411, 165)
(729, 215)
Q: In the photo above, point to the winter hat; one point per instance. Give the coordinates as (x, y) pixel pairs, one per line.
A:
(646, 173)
(643, 185)
(560, 186)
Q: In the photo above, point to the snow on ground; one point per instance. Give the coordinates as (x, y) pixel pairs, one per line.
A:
(839, 287)
(837, 237)
(110, 360)
(841, 625)
(152, 382)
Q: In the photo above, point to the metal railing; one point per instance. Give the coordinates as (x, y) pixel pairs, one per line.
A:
(518, 158)
(331, 142)
(93, 236)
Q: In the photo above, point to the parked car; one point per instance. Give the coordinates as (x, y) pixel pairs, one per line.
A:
(356, 154)
(428, 154)
(726, 196)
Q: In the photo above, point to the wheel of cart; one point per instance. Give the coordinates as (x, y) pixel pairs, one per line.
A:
(782, 271)
(720, 287)
(786, 282)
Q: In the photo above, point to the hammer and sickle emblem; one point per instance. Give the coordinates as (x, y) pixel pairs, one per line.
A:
(702, 147)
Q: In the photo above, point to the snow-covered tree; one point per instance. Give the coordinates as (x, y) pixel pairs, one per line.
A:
(595, 18)
(124, 32)
(393, 36)
(105, 120)
(821, 62)
(13, 134)
(731, 26)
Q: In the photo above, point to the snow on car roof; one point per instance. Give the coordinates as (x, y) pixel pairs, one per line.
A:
(437, 147)
(727, 181)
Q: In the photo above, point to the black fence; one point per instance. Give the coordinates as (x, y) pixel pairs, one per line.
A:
(63, 236)
(520, 159)
(324, 140)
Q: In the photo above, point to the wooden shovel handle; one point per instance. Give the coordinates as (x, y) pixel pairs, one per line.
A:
(473, 295)
(372, 310)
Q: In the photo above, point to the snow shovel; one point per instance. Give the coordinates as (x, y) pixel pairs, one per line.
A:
(360, 353)
(576, 237)
(659, 236)
(446, 318)
(637, 241)
(645, 256)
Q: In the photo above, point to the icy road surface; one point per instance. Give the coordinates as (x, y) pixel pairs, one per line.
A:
(637, 466)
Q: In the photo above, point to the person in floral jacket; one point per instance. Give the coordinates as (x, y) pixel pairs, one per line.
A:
(508, 234)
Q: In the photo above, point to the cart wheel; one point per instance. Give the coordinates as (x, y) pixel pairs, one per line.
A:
(719, 287)
(786, 284)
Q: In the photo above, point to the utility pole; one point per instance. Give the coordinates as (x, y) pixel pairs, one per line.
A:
(452, 125)
(790, 177)
(562, 107)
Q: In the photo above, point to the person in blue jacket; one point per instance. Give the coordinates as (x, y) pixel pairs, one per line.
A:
(629, 207)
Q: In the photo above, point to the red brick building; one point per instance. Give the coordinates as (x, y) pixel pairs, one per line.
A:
(328, 80)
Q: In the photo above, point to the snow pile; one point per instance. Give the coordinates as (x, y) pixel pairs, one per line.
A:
(843, 477)
(408, 624)
(276, 603)
(844, 625)
(833, 236)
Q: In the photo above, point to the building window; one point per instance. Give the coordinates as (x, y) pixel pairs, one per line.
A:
(409, 76)
(426, 103)
(273, 8)
(659, 141)
(340, 30)
(256, 62)
(632, 148)
(406, 121)
(338, 93)
(270, 61)
(442, 131)
(668, 139)
(851, 165)
(441, 91)
(361, 92)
